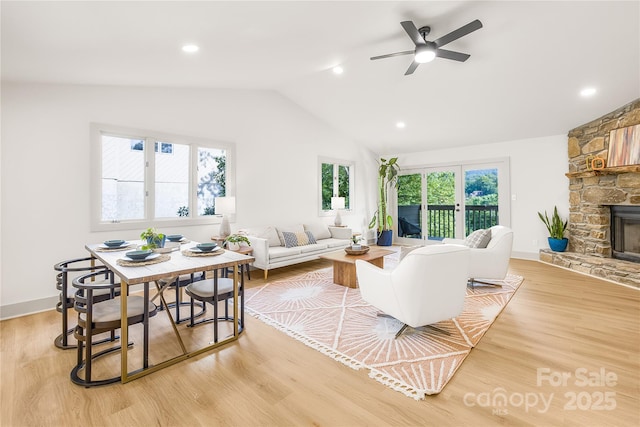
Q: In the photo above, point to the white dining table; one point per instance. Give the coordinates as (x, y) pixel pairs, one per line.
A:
(177, 264)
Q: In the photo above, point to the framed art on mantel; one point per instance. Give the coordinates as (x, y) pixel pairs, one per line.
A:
(624, 146)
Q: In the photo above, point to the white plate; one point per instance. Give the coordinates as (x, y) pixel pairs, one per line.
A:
(103, 246)
(150, 257)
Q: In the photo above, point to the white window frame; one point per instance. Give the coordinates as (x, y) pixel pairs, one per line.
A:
(352, 179)
(99, 129)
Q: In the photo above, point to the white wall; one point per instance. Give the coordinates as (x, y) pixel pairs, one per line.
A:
(537, 167)
(45, 166)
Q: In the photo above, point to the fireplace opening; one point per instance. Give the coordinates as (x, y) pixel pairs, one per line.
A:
(625, 233)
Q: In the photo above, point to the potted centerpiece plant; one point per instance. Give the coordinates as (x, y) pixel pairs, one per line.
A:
(382, 220)
(233, 241)
(154, 239)
(556, 227)
(355, 245)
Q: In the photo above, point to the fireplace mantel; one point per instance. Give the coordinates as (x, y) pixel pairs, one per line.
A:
(606, 171)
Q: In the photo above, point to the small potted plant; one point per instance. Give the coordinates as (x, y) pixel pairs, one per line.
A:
(153, 238)
(556, 227)
(233, 241)
(356, 246)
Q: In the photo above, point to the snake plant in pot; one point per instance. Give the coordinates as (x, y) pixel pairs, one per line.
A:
(387, 178)
(556, 227)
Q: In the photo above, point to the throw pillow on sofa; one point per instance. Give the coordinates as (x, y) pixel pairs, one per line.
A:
(295, 228)
(478, 239)
(298, 239)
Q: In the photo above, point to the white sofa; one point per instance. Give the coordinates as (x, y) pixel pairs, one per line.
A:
(270, 249)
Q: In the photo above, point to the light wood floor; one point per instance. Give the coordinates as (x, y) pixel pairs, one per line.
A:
(559, 322)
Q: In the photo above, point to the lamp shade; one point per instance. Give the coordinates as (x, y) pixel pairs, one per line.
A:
(225, 205)
(337, 203)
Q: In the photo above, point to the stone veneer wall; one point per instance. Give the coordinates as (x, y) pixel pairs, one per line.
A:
(590, 198)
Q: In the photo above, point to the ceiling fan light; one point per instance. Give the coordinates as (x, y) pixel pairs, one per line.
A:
(424, 54)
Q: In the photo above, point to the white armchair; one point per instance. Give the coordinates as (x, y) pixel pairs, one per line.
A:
(492, 262)
(428, 285)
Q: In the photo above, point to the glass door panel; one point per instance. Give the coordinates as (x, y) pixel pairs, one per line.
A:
(443, 207)
(409, 215)
(481, 199)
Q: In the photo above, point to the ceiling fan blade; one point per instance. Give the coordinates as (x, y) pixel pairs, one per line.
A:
(411, 68)
(413, 32)
(449, 54)
(460, 32)
(391, 55)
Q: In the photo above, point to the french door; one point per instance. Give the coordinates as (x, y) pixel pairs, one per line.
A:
(453, 201)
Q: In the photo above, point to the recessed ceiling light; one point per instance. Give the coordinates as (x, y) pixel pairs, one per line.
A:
(588, 91)
(401, 125)
(190, 48)
(338, 70)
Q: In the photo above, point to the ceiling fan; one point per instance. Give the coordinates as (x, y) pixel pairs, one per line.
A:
(426, 51)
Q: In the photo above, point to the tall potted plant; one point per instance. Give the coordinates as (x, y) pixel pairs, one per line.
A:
(556, 227)
(387, 178)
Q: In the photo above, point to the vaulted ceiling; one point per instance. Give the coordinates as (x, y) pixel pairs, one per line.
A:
(528, 63)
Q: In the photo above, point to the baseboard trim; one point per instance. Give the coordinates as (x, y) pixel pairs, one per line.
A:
(534, 256)
(10, 311)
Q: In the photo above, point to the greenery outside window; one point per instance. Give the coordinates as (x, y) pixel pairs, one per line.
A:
(336, 180)
(173, 183)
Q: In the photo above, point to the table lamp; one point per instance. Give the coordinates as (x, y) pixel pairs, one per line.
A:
(225, 206)
(337, 203)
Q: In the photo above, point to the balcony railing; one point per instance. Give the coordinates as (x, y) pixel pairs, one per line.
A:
(441, 220)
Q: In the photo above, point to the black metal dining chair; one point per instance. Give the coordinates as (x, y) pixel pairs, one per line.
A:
(96, 318)
(214, 291)
(65, 270)
(178, 283)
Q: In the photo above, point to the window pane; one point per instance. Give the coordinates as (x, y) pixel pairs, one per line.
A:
(327, 185)
(343, 184)
(172, 179)
(122, 178)
(212, 178)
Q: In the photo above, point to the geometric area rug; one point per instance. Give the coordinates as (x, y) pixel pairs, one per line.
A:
(334, 320)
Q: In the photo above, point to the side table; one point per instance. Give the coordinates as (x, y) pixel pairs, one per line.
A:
(244, 250)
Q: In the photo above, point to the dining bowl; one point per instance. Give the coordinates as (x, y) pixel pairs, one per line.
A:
(206, 247)
(142, 254)
(174, 237)
(113, 243)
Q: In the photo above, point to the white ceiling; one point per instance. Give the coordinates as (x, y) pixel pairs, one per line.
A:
(527, 64)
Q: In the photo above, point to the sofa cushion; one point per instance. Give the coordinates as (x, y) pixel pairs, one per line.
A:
(276, 252)
(313, 248)
(335, 243)
(320, 230)
(478, 239)
(269, 233)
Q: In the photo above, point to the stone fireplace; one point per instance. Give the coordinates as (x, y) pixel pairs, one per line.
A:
(625, 232)
(592, 194)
